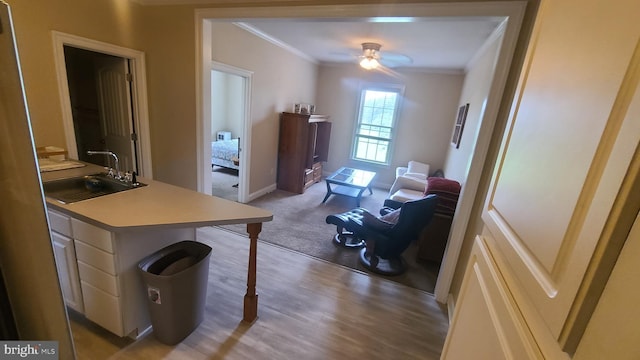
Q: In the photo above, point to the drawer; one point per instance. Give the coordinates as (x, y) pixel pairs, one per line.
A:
(308, 175)
(102, 308)
(60, 223)
(317, 171)
(93, 235)
(95, 257)
(98, 278)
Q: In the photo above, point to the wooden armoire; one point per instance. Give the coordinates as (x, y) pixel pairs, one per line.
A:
(303, 146)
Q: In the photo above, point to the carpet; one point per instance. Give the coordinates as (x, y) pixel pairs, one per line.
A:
(223, 181)
(299, 224)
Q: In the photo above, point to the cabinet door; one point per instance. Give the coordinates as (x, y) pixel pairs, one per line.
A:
(103, 308)
(322, 141)
(311, 145)
(65, 256)
(292, 152)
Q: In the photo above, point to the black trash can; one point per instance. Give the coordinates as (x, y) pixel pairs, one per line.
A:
(176, 278)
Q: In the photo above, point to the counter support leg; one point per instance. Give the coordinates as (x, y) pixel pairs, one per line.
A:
(251, 298)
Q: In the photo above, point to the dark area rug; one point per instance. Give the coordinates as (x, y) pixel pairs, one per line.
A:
(299, 224)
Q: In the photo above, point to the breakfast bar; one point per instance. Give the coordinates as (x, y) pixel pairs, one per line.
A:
(126, 226)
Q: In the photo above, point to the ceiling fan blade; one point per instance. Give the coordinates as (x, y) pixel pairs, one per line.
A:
(345, 54)
(395, 60)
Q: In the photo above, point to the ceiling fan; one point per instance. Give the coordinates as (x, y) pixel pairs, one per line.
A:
(371, 57)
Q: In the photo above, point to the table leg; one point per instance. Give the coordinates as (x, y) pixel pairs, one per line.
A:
(370, 190)
(328, 193)
(251, 298)
(359, 197)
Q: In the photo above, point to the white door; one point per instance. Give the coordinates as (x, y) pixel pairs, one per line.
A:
(114, 99)
(570, 140)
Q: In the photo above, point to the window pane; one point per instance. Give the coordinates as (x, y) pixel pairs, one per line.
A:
(390, 100)
(387, 117)
(375, 131)
(367, 114)
(374, 128)
(371, 149)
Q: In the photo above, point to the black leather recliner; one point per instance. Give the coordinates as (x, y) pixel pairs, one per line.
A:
(387, 236)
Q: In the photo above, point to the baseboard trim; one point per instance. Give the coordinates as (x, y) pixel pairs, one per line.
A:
(451, 306)
(262, 192)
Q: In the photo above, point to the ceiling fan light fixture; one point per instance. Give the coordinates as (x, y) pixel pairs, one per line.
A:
(369, 63)
(370, 56)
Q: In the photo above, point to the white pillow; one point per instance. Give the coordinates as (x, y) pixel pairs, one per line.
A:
(418, 168)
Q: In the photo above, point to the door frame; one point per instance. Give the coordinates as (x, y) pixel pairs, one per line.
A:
(205, 178)
(138, 97)
(513, 13)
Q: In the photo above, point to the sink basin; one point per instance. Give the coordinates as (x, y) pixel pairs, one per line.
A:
(84, 187)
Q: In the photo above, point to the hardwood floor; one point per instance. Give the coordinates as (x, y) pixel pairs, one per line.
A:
(308, 309)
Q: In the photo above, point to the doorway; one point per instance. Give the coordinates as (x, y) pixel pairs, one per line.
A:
(104, 101)
(225, 135)
(100, 96)
(512, 12)
(227, 118)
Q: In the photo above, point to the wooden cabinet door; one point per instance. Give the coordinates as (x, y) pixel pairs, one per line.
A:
(312, 135)
(292, 152)
(570, 139)
(322, 141)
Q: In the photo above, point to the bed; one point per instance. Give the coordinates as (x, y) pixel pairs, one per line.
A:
(224, 152)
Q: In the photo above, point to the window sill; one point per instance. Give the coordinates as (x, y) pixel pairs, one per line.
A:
(370, 164)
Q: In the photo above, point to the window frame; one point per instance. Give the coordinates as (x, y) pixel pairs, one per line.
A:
(386, 87)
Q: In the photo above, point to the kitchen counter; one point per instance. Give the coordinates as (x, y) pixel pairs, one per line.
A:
(157, 205)
(146, 218)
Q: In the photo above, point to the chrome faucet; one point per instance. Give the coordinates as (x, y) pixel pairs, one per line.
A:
(115, 157)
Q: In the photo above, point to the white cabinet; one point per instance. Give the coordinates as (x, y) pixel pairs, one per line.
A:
(95, 251)
(65, 255)
(103, 308)
(98, 270)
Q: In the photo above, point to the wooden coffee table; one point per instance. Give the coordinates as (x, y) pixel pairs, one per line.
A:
(349, 182)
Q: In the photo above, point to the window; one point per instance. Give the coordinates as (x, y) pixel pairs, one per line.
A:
(376, 120)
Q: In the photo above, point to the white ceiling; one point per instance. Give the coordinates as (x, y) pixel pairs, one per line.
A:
(446, 43)
(431, 43)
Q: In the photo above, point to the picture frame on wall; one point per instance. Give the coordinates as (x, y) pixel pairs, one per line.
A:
(459, 126)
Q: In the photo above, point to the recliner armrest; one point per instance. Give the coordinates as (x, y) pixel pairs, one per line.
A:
(408, 182)
(388, 203)
(401, 170)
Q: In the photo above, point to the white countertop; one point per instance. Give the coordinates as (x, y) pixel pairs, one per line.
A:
(156, 205)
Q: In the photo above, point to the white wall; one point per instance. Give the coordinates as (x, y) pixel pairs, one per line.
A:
(475, 90)
(279, 80)
(423, 128)
(227, 103)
